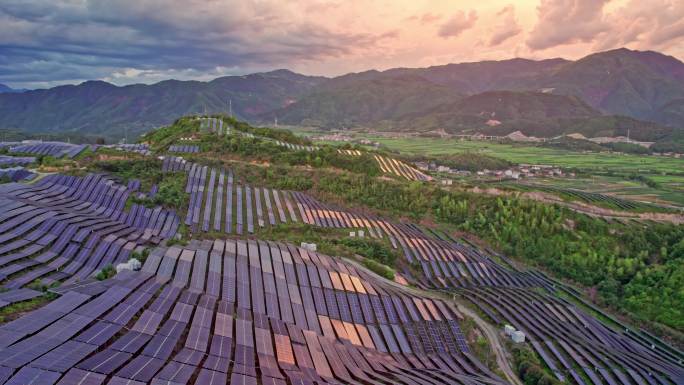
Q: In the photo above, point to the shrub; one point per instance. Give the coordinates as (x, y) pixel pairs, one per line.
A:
(106, 273)
(379, 269)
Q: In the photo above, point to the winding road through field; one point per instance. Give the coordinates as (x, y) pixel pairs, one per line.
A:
(495, 342)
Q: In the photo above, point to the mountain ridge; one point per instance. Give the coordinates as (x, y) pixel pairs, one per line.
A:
(642, 85)
(7, 89)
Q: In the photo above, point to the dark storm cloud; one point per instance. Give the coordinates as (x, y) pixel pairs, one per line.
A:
(48, 42)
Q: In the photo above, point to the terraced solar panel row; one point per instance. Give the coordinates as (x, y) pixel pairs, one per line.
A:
(215, 125)
(393, 166)
(399, 168)
(56, 149)
(16, 174)
(64, 229)
(575, 345)
(13, 296)
(16, 160)
(140, 148)
(184, 148)
(297, 147)
(156, 326)
(592, 197)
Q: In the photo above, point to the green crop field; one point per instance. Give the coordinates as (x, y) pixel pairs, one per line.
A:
(620, 188)
(536, 155)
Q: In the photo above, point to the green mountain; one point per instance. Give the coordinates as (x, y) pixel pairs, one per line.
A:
(607, 93)
(477, 77)
(643, 85)
(97, 107)
(365, 98)
(532, 113)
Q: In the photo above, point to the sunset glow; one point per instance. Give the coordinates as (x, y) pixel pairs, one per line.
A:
(48, 43)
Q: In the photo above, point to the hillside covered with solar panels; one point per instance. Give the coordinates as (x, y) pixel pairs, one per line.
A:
(214, 252)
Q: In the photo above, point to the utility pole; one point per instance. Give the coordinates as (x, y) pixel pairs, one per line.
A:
(276, 122)
(230, 107)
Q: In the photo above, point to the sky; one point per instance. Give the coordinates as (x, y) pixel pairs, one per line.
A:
(54, 42)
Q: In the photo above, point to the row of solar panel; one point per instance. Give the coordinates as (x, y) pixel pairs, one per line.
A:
(214, 125)
(393, 166)
(16, 160)
(217, 125)
(397, 167)
(297, 147)
(15, 174)
(65, 228)
(140, 148)
(56, 149)
(186, 148)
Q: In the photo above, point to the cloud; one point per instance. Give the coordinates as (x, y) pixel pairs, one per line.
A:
(563, 22)
(94, 39)
(508, 27)
(429, 18)
(653, 25)
(50, 42)
(458, 23)
(658, 24)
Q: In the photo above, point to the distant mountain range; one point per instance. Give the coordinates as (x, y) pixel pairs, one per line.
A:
(604, 94)
(6, 89)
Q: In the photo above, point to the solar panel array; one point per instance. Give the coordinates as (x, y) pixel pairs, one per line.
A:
(16, 174)
(16, 160)
(296, 147)
(393, 166)
(241, 313)
(185, 148)
(397, 167)
(140, 148)
(444, 263)
(567, 339)
(13, 296)
(65, 228)
(214, 125)
(575, 346)
(56, 149)
(252, 312)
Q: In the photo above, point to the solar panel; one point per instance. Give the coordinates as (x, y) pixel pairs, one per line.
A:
(141, 368)
(105, 362)
(29, 375)
(82, 377)
(211, 377)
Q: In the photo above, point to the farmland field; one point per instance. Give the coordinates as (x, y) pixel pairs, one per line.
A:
(667, 172)
(669, 194)
(536, 155)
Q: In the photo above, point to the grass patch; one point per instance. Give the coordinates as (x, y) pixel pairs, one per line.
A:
(16, 310)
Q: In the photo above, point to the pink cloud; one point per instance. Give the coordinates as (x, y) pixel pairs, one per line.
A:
(458, 23)
(508, 28)
(566, 22)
